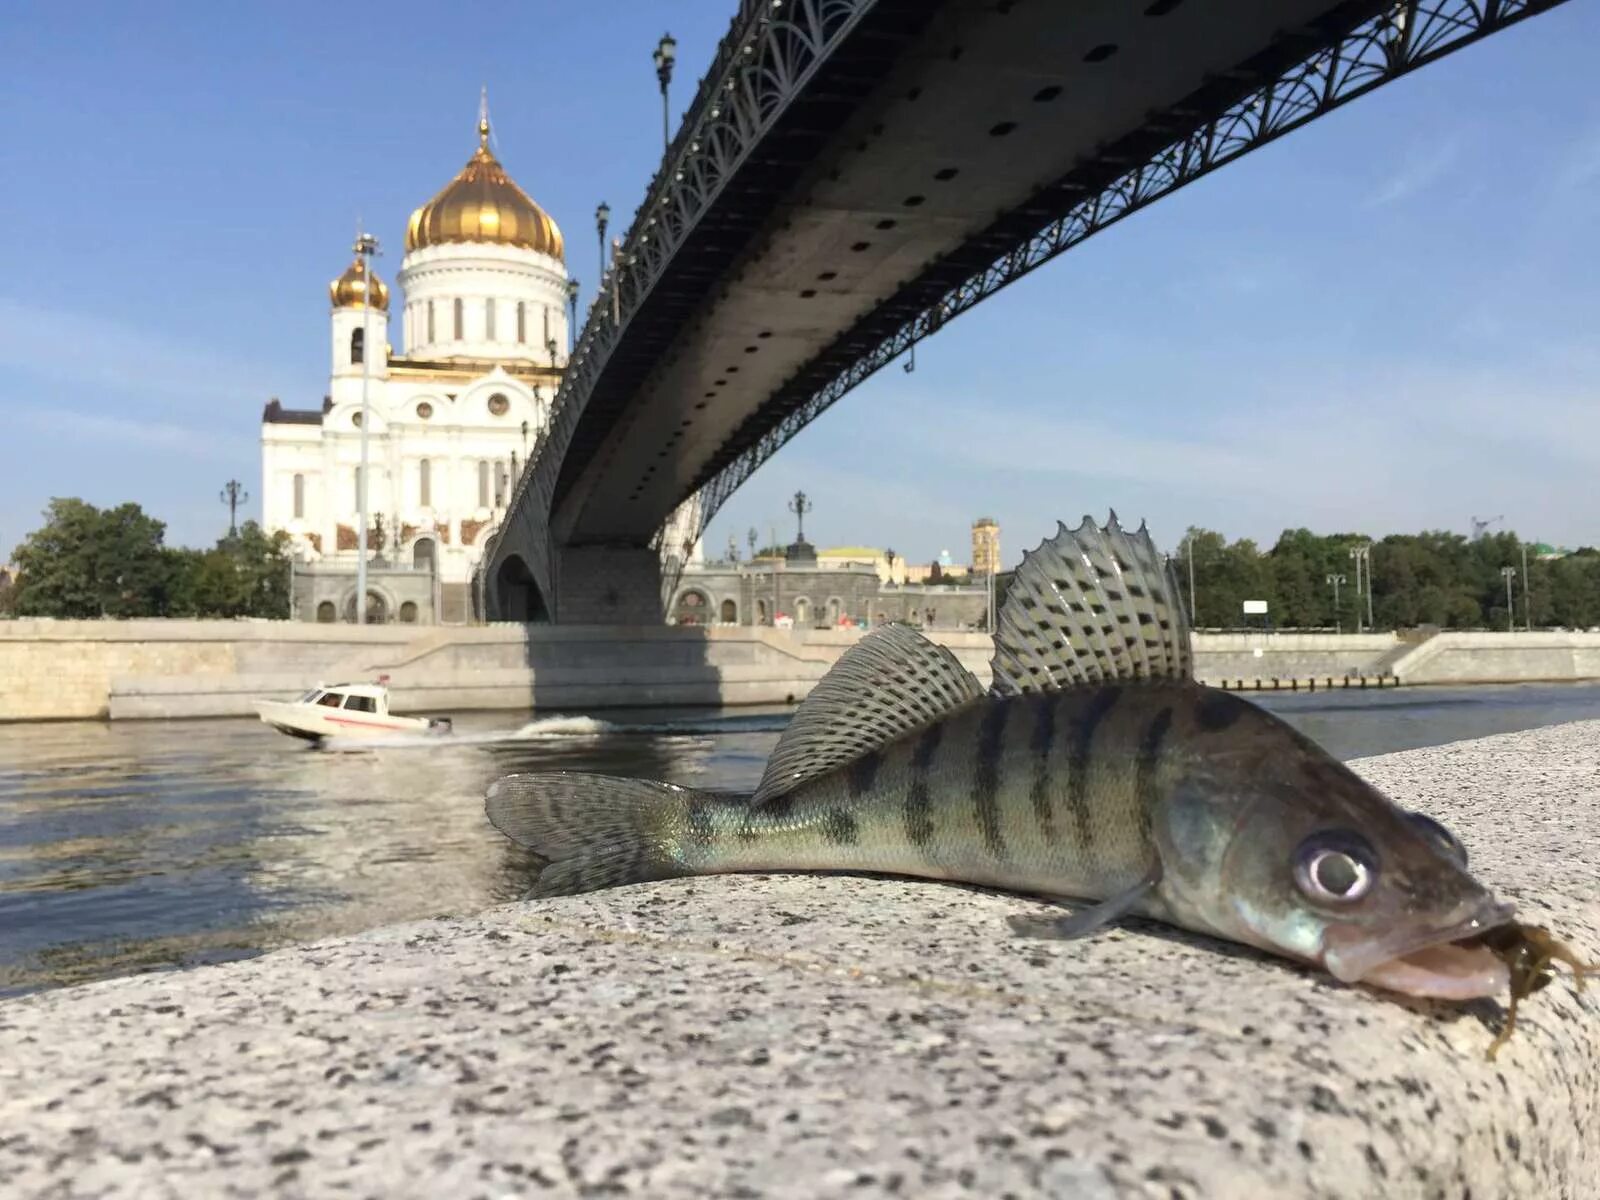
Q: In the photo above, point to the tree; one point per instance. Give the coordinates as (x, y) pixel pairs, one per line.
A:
(244, 575)
(89, 562)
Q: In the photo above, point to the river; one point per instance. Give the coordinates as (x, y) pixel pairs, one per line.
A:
(142, 846)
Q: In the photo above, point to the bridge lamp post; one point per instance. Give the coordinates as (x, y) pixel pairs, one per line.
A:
(602, 218)
(665, 55)
(1336, 581)
(572, 323)
(366, 247)
(1508, 574)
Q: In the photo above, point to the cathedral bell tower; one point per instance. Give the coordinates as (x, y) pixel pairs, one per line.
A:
(352, 325)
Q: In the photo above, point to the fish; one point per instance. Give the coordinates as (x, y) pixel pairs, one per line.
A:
(1094, 771)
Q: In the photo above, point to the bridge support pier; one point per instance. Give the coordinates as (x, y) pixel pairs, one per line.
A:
(602, 585)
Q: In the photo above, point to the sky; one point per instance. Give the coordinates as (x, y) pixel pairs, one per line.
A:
(1386, 322)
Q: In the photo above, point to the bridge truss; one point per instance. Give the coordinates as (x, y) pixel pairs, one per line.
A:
(772, 51)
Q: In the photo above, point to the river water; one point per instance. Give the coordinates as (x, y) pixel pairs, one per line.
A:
(142, 846)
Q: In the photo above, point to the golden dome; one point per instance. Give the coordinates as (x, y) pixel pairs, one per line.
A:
(483, 204)
(349, 290)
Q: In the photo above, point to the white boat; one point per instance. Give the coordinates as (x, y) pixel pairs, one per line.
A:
(344, 710)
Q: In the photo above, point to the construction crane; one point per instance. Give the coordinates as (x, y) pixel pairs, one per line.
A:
(1480, 526)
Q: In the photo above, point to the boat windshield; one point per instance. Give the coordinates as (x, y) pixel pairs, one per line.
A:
(330, 699)
(308, 697)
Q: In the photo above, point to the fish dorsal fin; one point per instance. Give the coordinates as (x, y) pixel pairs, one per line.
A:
(889, 683)
(1090, 605)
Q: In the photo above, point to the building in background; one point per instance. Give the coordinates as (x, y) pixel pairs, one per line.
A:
(455, 415)
(985, 546)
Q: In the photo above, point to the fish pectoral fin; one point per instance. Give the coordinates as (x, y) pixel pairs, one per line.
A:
(1086, 920)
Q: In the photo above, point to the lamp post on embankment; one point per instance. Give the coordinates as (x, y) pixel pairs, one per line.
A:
(1336, 581)
(1508, 574)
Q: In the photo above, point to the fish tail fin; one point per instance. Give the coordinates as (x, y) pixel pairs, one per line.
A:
(596, 831)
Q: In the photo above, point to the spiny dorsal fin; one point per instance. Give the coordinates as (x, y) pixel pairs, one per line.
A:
(1089, 605)
(889, 683)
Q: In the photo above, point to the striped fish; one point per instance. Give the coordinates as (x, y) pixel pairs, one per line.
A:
(1094, 770)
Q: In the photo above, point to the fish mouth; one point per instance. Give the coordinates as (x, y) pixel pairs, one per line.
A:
(1431, 964)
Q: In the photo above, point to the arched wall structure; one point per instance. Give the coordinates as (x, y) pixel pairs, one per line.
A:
(516, 593)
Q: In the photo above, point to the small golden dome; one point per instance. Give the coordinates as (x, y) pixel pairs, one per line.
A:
(483, 204)
(349, 290)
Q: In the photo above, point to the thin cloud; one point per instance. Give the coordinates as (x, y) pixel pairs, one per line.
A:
(86, 350)
(69, 425)
(1417, 174)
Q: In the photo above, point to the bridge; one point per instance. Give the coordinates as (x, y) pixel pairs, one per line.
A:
(854, 174)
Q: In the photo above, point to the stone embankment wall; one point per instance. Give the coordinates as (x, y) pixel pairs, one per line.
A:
(800, 1035)
(157, 669)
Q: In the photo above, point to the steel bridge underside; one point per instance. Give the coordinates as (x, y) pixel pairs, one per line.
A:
(912, 146)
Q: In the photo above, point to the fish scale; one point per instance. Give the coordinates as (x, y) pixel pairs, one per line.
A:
(1046, 793)
(1095, 768)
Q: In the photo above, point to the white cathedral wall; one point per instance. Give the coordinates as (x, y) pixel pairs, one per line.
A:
(459, 434)
(477, 274)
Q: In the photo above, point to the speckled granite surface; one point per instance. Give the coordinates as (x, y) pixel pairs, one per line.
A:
(794, 1036)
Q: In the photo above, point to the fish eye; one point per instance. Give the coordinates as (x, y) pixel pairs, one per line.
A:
(1446, 839)
(1335, 867)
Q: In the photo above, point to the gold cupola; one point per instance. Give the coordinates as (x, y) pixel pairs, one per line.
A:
(349, 290)
(483, 204)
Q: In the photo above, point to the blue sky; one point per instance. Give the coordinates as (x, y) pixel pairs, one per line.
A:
(1385, 322)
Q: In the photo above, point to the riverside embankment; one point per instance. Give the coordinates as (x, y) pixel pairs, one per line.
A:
(166, 669)
(823, 1036)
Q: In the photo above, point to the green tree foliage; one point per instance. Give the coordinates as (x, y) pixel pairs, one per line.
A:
(1433, 578)
(88, 562)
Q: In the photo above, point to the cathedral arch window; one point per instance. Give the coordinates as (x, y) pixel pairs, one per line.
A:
(499, 405)
(358, 340)
(730, 613)
(483, 483)
(424, 410)
(430, 321)
(425, 483)
(408, 612)
(522, 323)
(488, 319)
(502, 477)
(299, 497)
(460, 323)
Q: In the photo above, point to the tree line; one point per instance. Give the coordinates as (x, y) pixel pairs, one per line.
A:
(88, 562)
(1435, 578)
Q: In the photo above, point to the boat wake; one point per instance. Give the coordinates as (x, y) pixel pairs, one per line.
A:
(538, 728)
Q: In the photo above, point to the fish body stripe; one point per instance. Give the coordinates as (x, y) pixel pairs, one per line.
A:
(1146, 788)
(986, 793)
(863, 773)
(1101, 703)
(1044, 736)
(918, 806)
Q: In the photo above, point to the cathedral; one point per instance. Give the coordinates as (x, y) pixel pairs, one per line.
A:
(484, 304)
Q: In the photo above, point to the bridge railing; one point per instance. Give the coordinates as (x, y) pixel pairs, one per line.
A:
(768, 53)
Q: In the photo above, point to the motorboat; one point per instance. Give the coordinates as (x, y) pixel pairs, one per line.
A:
(344, 710)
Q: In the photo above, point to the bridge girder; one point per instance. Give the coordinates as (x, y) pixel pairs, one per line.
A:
(646, 402)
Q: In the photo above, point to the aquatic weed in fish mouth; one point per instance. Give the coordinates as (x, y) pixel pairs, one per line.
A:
(1095, 768)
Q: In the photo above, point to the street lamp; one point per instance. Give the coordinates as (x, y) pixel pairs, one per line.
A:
(1362, 556)
(665, 53)
(234, 495)
(550, 345)
(1508, 574)
(366, 248)
(1336, 581)
(1527, 601)
(602, 218)
(572, 324)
